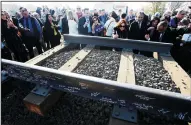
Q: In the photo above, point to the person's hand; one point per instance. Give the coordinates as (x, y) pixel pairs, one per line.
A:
(26, 29)
(115, 36)
(10, 24)
(151, 28)
(147, 36)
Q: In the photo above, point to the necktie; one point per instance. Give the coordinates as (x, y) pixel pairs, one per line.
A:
(160, 38)
(27, 23)
(139, 25)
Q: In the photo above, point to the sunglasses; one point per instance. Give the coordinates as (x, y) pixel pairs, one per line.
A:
(122, 26)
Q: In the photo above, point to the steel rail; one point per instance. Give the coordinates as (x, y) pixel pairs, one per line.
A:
(143, 98)
(120, 43)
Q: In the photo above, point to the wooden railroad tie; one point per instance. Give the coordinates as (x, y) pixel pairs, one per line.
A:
(125, 75)
(41, 104)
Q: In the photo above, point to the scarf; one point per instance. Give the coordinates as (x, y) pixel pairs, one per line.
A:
(52, 26)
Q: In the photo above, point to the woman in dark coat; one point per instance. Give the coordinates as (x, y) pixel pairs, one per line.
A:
(121, 30)
(10, 33)
(50, 32)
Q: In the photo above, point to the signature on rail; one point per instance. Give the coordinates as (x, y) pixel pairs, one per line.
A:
(142, 106)
(109, 100)
(163, 111)
(72, 89)
(144, 97)
(181, 115)
(95, 94)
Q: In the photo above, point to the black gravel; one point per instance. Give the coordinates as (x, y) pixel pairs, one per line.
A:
(69, 110)
(152, 119)
(149, 72)
(60, 58)
(101, 63)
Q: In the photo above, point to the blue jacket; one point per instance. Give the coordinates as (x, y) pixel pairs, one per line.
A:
(103, 19)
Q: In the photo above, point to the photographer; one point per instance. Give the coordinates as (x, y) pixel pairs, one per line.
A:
(85, 23)
(97, 27)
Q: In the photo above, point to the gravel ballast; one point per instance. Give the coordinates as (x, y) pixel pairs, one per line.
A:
(60, 58)
(101, 64)
(149, 72)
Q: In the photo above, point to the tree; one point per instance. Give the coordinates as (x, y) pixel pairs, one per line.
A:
(154, 7)
(173, 6)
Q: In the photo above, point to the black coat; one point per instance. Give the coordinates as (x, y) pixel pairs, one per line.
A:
(81, 29)
(65, 27)
(13, 41)
(121, 34)
(146, 19)
(48, 33)
(10, 35)
(135, 32)
(15, 21)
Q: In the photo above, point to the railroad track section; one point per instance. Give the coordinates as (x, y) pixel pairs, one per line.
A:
(124, 91)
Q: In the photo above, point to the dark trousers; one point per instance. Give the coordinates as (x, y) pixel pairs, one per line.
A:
(6, 54)
(31, 42)
(55, 41)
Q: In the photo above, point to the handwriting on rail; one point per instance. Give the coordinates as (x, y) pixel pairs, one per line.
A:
(142, 106)
(181, 115)
(109, 100)
(95, 94)
(143, 97)
(163, 111)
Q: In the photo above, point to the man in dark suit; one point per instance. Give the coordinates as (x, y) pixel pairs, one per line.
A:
(138, 29)
(85, 24)
(33, 33)
(163, 34)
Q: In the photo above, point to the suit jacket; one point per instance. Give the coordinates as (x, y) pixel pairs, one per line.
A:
(81, 29)
(36, 27)
(146, 19)
(137, 33)
(169, 36)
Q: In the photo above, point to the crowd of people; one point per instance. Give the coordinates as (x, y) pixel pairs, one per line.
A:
(43, 29)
